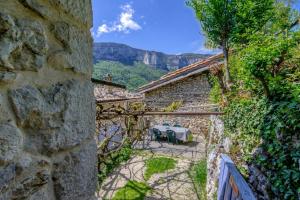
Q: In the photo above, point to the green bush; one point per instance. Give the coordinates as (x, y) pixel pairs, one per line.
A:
(281, 148)
(173, 106)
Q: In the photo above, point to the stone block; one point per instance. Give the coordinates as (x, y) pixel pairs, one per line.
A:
(32, 176)
(74, 175)
(7, 77)
(10, 142)
(55, 118)
(23, 44)
(80, 10)
(4, 115)
(76, 50)
(7, 174)
(37, 6)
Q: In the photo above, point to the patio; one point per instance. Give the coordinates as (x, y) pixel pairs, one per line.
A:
(194, 150)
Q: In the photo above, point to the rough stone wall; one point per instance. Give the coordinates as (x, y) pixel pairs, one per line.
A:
(194, 94)
(216, 145)
(47, 113)
(192, 91)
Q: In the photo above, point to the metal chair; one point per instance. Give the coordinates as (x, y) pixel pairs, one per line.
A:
(157, 134)
(171, 135)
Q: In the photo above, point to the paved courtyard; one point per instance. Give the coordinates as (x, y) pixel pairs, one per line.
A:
(172, 184)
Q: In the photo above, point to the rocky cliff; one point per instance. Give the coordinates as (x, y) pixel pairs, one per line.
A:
(128, 55)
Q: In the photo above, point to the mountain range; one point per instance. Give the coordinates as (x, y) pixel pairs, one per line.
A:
(108, 51)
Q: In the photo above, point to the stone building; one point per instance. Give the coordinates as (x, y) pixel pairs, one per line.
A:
(188, 85)
(47, 107)
(108, 91)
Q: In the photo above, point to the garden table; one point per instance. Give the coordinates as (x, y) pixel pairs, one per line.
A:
(181, 132)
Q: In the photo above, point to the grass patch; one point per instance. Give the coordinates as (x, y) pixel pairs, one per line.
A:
(158, 165)
(198, 174)
(133, 190)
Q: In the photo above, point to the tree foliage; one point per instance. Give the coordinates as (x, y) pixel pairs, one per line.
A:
(262, 114)
(227, 22)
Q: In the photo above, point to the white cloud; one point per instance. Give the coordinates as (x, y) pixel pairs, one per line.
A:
(204, 50)
(124, 24)
(199, 47)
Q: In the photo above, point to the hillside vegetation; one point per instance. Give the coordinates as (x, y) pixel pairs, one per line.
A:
(258, 88)
(131, 76)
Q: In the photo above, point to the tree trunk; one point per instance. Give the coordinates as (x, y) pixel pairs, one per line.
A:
(265, 86)
(226, 67)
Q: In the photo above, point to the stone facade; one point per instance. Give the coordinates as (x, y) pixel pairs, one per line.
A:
(47, 111)
(193, 92)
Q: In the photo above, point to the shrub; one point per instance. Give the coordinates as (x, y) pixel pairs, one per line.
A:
(173, 106)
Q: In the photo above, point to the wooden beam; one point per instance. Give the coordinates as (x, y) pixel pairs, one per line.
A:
(166, 113)
(117, 100)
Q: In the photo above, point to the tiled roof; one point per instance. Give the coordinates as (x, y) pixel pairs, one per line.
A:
(190, 70)
(109, 94)
(103, 82)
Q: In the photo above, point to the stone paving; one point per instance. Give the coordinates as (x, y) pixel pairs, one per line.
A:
(173, 184)
(194, 150)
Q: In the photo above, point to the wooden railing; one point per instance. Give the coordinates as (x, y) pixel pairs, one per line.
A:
(232, 186)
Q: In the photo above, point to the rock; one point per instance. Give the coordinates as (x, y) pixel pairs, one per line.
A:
(33, 36)
(227, 144)
(10, 142)
(53, 116)
(32, 174)
(24, 44)
(31, 184)
(76, 52)
(128, 55)
(7, 174)
(37, 6)
(6, 23)
(80, 10)
(4, 115)
(74, 174)
(7, 76)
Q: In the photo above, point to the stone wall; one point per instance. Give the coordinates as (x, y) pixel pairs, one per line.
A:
(193, 92)
(47, 113)
(216, 145)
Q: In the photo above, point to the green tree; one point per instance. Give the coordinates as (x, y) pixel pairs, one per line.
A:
(226, 22)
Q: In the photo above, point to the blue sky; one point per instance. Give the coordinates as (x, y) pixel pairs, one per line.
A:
(162, 25)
